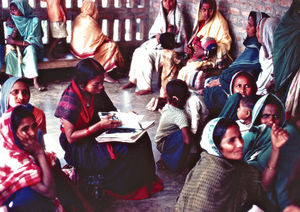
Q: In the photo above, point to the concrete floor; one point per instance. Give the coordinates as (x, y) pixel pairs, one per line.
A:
(124, 100)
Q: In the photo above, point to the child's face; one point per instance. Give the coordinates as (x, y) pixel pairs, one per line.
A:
(243, 112)
(168, 5)
(15, 11)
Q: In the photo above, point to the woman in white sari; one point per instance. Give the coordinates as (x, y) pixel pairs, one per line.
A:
(146, 58)
(265, 34)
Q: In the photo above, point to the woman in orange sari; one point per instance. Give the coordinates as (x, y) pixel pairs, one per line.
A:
(88, 40)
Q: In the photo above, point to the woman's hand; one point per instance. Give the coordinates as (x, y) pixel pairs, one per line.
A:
(199, 51)
(108, 123)
(10, 41)
(213, 83)
(32, 147)
(189, 50)
(279, 137)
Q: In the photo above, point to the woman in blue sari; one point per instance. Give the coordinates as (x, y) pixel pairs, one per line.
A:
(24, 43)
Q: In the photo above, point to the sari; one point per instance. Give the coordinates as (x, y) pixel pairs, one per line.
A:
(88, 40)
(267, 27)
(258, 146)
(219, 184)
(127, 171)
(286, 50)
(148, 56)
(4, 104)
(216, 28)
(24, 64)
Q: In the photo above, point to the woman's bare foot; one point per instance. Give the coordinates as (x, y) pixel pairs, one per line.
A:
(109, 79)
(38, 86)
(128, 85)
(143, 92)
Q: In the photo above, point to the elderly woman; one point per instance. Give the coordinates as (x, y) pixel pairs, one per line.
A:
(248, 60)
(286, 58)
(209, 26)
(147, 57)
(88, 40)
(265, 35)
(24, 43)
(29, 182)
(221, 180)
(128, 170)
(269, 113)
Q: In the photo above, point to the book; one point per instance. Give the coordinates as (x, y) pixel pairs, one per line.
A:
(130, 131)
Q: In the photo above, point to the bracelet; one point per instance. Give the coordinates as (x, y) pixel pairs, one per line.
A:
(87, 131)
(23, 43)
(271, 168)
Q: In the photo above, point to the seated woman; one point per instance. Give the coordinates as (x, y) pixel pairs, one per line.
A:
(24, 51)
(128, 170)
(28, 182)
(147, 57)
(209, 23)
(16, 92)
(286, 58)
(219, 102)
(88, 40)
(248, 60)
(221, 180)
(269, 113)
(265, 33)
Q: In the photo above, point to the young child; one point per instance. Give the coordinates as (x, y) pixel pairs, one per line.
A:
(244, 113)
(173, 133)
(57, 14)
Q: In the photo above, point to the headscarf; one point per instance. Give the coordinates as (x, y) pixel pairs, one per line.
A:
(257, 109)
(244, 73)
(267, 28)
(174, 18)
(28, 25)
(5, 92)
(17, 167)
(207, 142)
(89, 8)
(286, 49)
(257, 17)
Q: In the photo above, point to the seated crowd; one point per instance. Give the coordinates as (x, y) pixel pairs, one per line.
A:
(241, 118)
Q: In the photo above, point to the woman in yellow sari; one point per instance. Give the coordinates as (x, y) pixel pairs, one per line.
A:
(88, 40)
(209, 27)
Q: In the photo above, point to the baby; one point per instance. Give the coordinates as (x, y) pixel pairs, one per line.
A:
(244, 113)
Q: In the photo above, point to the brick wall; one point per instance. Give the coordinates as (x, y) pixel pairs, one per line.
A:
(234, 11)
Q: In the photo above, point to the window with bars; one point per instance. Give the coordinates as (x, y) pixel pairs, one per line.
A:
(124, 21)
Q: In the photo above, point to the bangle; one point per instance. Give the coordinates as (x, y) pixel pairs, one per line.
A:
(87, 131)
(271, 168)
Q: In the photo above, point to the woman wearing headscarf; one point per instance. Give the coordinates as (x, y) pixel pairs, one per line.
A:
(269, 113)
(88, 40)
(249, 59)
(265, 33)
(147, 57)
(16, 92)
(209, 26)
(29, 180)
(286, 58)
(221, 180)
(24, 43)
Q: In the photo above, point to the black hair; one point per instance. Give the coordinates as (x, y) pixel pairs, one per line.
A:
(19, 113)
(248, 101)
(253, 15)
(177, 88)
(249, 76)
(86, 70)
(220, 130)
(167, 40)
(212, 4)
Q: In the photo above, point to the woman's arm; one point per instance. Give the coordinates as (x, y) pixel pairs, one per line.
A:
(46, 186)
(75, 135)
(186, 135)
(279, 137)
(11, 41)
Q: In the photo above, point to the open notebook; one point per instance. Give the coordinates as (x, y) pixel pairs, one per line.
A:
(133, 127)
